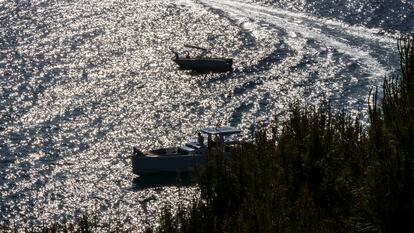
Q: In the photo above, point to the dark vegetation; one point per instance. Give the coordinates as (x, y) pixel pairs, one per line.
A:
(320, 171)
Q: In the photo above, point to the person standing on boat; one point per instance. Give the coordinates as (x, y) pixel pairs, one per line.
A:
(221, 140)
(200, 139)
(217, 141)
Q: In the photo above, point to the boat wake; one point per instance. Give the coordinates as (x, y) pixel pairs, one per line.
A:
(301, 56)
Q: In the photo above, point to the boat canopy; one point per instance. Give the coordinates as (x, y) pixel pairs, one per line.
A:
(226, 130)
(195, 47)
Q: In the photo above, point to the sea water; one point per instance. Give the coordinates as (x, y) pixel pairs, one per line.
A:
(84, 81)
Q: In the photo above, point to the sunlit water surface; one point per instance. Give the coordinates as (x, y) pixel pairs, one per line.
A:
(82, 82)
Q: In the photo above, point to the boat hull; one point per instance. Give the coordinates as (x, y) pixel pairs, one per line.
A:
(205, 64)
(148, 165)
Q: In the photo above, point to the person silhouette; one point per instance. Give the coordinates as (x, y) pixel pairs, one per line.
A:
(200, 139)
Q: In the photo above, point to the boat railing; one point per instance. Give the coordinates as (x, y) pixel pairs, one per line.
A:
(195, 47)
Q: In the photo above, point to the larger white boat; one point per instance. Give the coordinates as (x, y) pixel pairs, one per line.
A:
(201, 62)
(183, 158)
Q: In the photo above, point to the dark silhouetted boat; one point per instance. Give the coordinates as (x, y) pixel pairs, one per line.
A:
(183, 158)
(202, 63)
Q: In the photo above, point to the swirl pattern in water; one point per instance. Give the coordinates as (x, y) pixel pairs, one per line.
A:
(83, 81)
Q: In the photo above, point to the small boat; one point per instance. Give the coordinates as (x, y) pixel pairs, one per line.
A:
(201, 62)
(183, 158)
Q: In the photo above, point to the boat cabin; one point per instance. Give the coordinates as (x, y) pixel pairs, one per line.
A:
(219, 134)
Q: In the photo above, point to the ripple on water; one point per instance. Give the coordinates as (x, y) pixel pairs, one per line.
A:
(84, 81)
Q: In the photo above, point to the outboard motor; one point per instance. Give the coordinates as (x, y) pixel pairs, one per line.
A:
(175, 54)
